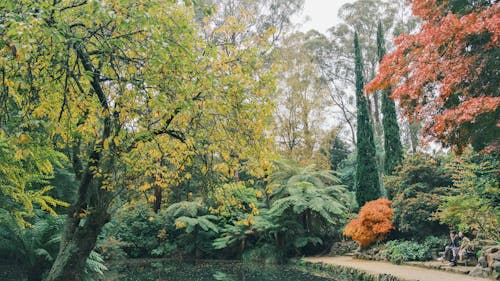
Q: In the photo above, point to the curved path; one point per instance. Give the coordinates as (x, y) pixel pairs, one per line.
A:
(401, 271)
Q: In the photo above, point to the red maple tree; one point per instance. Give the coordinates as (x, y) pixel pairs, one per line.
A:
(447, 75)
(373, 223)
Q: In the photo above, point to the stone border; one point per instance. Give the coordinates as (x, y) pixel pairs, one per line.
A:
(343, 273)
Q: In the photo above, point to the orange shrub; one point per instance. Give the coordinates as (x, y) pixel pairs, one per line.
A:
(373, 223)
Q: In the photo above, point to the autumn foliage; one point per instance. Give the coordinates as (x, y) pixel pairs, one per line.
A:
(446, 75)
(373, 223)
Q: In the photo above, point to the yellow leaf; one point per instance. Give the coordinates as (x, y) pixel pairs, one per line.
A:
(105, 145)
(23, 138)
(144, 187)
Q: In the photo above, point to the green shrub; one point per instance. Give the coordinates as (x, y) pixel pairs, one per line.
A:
(137, 227)
(434, 242)
(417, 189)
(402, 251)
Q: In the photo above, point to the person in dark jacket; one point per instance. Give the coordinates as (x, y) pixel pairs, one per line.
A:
(451, 250)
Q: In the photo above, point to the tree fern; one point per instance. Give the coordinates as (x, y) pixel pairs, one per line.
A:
(307, 200)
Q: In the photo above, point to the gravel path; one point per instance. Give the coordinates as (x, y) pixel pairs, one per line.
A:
(402, 271)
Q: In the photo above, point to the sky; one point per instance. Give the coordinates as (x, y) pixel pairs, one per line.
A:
(319, 14)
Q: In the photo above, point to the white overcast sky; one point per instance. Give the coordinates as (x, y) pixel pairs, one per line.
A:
(321, 14)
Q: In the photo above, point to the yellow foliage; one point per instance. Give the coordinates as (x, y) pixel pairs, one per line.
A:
(180, 224)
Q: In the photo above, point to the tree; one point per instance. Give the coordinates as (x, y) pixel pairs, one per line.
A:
(446, 75)
(196, 225)
(392, 143)
(475, 199)
(300, 101)
(134, 87)
(334, 55)
(373, 223)
(338, 150)
(367, 180)
(309, 192)
(307, 206)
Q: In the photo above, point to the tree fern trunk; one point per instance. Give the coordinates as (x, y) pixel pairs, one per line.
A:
(309, 220)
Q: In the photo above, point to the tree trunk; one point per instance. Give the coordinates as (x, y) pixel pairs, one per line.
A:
(197, 251)
(309, 220)
(158, 197)
(281, 247)
(242, 247)
(78, 241)
(88, 214)
(414, 132)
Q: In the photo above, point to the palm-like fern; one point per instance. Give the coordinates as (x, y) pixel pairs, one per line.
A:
(289, 174)
(304, 196)
(194, 222)
(307, 201)
(33, 248)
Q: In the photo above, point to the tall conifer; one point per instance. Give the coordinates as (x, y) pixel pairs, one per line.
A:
(366, 181)
(392, 142)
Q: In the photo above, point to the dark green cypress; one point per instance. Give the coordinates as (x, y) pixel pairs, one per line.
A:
(392, 142)
(367, 181)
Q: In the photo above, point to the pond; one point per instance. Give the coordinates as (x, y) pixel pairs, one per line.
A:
(208, 271)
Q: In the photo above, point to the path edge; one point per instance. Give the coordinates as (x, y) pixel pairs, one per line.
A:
(345, 273)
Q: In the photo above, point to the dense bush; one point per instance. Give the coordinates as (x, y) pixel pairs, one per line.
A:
(373, 223)
(417, 188)
(401, 251)
(136, 227)
(299, 210)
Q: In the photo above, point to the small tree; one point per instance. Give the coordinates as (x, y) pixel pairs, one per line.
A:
(373, 223)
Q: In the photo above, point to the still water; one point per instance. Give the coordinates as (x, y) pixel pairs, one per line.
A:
(209, 271)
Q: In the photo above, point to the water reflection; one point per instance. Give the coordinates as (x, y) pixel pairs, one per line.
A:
(208, 271)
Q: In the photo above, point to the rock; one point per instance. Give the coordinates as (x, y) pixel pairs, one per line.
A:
(492, 254)
(482, 261)
(342, 247)
(478, 271)
(496, 266)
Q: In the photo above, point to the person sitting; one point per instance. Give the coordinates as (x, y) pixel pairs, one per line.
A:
(451, 250)
(466, 246)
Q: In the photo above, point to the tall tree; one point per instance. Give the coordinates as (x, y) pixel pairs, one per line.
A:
(367, 178)
(301, 102)
(447, 74)
(137, 92)
(392, 143)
